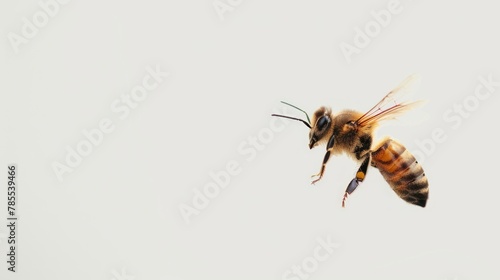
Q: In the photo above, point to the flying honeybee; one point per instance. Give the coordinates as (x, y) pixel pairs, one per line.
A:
(351, 132)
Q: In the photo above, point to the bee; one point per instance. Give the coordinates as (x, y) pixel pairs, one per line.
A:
(351, 132)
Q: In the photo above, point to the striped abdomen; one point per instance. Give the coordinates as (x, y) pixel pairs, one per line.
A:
(402, 171)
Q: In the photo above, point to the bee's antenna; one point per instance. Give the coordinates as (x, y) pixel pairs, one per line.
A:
(308, 123)
(292, 118)
(307, 116)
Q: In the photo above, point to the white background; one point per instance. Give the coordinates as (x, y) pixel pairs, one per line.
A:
(117, 213)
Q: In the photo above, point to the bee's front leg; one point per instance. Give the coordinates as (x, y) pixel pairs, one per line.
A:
(329, 148)
(360, 176)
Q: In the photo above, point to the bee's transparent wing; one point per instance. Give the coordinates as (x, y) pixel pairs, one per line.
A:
(392, 104)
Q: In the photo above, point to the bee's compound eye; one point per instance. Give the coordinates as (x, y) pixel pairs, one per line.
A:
(323, 122)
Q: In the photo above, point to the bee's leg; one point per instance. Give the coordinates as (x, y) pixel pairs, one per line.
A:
(329, 148)
(360, 176)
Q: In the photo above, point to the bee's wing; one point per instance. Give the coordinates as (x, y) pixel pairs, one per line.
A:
(391, 106)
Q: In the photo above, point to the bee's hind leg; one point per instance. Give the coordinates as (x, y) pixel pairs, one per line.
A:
(360, 176)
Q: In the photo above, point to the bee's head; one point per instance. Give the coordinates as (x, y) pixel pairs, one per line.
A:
(322, 122)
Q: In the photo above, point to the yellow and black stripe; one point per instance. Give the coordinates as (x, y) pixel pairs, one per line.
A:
(402, 171)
